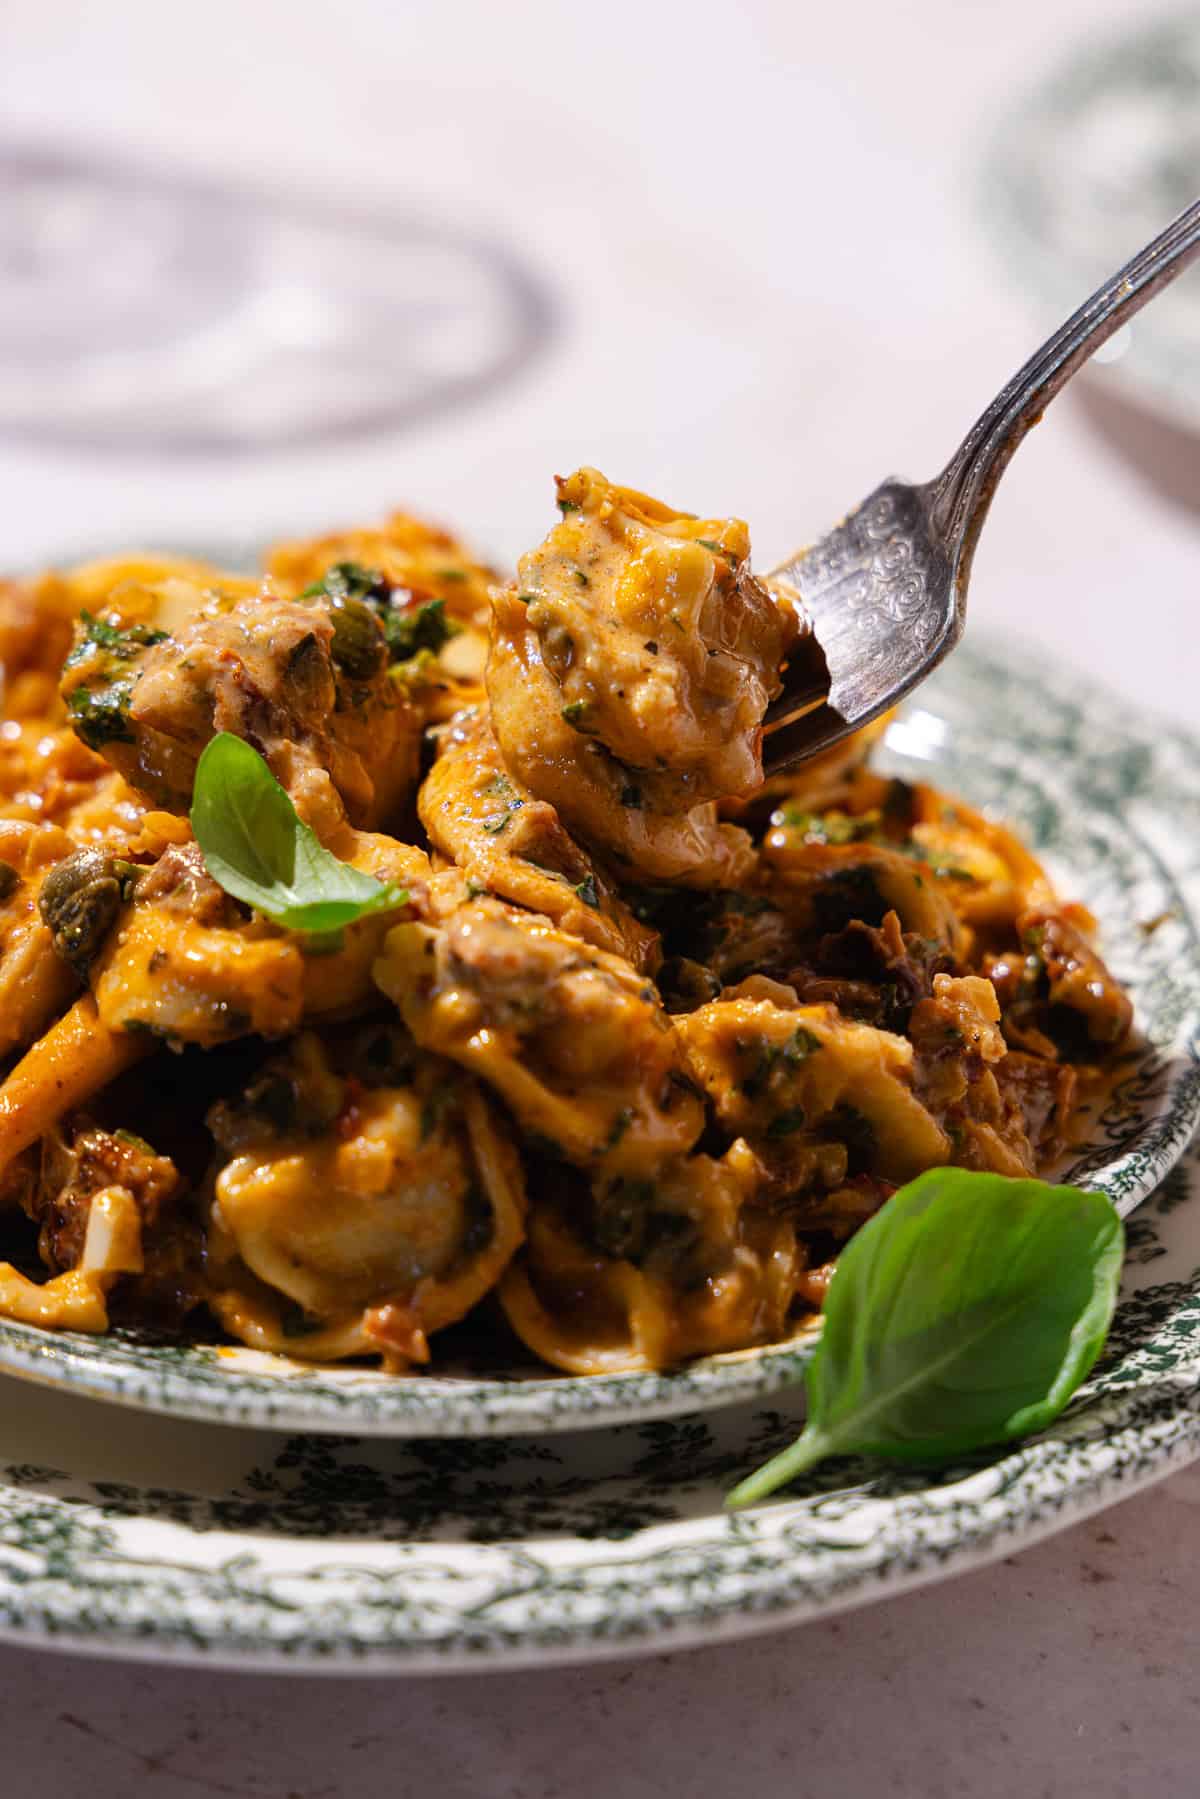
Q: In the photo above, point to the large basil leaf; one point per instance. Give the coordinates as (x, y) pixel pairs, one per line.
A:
(965, 1313)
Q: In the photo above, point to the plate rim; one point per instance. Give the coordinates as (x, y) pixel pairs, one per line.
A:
(734, 1623)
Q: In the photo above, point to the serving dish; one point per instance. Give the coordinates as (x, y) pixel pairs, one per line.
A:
(1114, 806)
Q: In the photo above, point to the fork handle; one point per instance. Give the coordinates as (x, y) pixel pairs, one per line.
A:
(963, 491)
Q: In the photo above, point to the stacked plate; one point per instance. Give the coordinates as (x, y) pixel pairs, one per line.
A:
(231, 1508)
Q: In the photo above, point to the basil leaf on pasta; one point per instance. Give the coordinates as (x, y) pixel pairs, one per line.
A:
(256, 847)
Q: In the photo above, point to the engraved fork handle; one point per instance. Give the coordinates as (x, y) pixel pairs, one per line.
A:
(963, 491)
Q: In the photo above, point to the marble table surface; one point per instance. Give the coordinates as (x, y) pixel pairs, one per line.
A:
(771, 287)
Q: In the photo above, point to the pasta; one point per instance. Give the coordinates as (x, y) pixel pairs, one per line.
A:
(637, 1041)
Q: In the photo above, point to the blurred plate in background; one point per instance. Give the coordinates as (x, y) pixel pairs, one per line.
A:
(1092, 164)
(148, 308)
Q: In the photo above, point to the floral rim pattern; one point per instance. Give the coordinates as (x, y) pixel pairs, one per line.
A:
(1115, 807)
(339, 1554)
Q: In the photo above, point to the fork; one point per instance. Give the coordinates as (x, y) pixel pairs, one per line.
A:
(886, 590)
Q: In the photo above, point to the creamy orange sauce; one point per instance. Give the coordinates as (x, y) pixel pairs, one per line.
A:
(644, 1044)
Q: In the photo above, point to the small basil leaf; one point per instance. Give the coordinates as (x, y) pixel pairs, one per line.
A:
(965, 1313)
(256, 847)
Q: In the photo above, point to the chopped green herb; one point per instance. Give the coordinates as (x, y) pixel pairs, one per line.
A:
(565, 506)
(499, 821)
(574, 712)
(587, 891)
(423, 627)
(775, 1056)
(421, 670)
(348, 581)
(407, 631)
(583, 580)
(133, 1141)
(944, 871)
(119, 641)
(620, 1217)
(827, 827)
(718, 549)
(100, 715)
(800, 1045)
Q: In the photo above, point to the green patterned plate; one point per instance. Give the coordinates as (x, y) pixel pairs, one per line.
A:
(1114, 805)
(149, 1536)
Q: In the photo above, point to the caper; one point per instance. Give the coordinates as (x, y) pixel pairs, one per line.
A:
(79, 901)
(308, 674)
(358, 647)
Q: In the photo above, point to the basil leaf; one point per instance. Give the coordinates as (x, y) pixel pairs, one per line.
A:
(256, 848)
(965, 1313)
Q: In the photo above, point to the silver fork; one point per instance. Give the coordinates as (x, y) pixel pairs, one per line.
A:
(886, 590)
